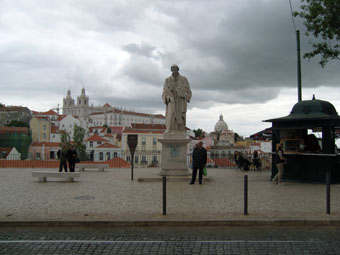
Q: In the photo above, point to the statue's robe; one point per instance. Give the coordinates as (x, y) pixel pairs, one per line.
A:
(178, 90)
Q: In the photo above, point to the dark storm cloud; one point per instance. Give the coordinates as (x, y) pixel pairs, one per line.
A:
(121, 51)
(251, 48)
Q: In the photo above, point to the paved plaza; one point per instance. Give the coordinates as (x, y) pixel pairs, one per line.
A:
(111, 196)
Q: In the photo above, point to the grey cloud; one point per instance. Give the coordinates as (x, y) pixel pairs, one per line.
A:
(231, 51)
(143, 49)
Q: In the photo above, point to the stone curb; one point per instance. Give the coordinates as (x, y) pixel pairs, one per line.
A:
(244, 223)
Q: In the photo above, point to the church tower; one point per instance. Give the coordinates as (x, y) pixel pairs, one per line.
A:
(68, 103)
(83, 105)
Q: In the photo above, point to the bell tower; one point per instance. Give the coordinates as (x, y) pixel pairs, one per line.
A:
(83, 104)
(68, 103)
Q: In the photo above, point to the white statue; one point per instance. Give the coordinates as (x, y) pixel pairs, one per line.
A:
(176, 95)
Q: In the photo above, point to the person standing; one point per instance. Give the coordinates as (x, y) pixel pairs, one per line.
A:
(199, 157)
(62, 157)
(256, 161)
(280, 161)
(71, 158)
(176, 95)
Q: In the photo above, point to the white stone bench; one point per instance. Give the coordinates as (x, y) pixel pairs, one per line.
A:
(42, 175)
(101, 167)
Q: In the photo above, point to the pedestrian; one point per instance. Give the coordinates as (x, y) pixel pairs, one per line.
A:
(256, 161)
(62, 157)
(199, 157)
(236, 159)
(280, 161)
(71, 158)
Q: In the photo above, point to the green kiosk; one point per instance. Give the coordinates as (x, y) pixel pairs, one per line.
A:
(308, 158)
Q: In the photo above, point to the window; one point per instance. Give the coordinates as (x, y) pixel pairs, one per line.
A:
(44, 127)
(144, 159)
(108, 156)
(37, 155)
(136, 159)
(91, 144)
(115, 155)
(99, 142)
(52, 154)
(143, 140)
(154, 141)
(101, 155)
(44, 135)
(154, 159)
(128, 158)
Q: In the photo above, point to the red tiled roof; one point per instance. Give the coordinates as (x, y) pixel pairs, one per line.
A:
(95, 138)
(141, 131)
(60, 117)
(47, 144)
(50, 112)
(13, 108)
(54, 129)
(5, 151)
(117, 129)
(107, 145)
(148, 126)
(107, 105)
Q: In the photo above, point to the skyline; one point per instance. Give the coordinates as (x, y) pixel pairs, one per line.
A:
(239, 57)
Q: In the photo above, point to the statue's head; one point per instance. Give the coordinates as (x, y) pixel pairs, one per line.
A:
(174, 67)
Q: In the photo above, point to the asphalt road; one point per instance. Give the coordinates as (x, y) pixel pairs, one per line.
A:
(172, 240)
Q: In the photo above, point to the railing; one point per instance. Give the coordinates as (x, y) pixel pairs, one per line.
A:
(122, 160)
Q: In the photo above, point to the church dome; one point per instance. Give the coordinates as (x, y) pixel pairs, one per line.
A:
(221, 125)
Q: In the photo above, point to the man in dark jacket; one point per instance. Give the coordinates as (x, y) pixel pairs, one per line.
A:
(71, 157)
(62, 156)
(199, 158)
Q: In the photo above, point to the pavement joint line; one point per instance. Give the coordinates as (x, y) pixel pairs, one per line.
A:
(156, 241)
(151, 223)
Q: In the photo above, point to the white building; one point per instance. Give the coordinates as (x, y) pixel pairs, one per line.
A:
(55, 136)
(101, 149)
(9, 153)
(67, 124)
(106, 114)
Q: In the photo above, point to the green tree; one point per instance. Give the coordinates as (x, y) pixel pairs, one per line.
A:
(78, 139)
(322, 20)
(198, 132)
(17, 123)
(65, 139)
(237, 138)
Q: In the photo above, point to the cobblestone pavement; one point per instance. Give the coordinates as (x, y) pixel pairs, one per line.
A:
(172, 240)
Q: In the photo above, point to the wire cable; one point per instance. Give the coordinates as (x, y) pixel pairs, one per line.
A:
(291, 12)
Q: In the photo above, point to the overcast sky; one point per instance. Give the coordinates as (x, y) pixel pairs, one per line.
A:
(238, 55)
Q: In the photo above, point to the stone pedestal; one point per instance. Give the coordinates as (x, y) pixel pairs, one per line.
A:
(174, 155)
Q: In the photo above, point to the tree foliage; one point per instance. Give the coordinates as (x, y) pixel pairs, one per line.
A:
(17, 123)
(198, 132)
(322, 20)
(237, 138)
(78, 139)
(65, 139)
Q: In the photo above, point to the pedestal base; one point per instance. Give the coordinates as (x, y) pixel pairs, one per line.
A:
(174, 155)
